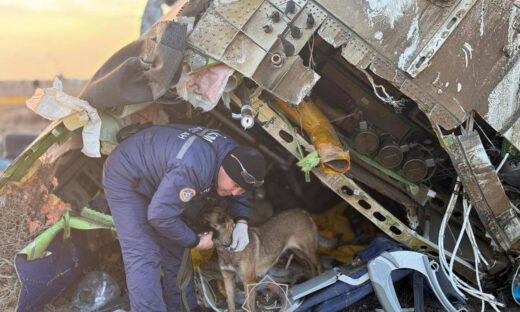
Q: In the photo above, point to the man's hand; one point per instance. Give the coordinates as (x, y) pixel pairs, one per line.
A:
(206, 241)
(240, 237)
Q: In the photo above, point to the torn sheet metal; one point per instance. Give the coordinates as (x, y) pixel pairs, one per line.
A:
(334, 32)
(213, 34)
(297, 82)
(449, 24)
(306, 32)
(233, 32)
(487, 195)
(399, 30)
(472, 62)
(437, 45)
(503, 109)
(352, 193)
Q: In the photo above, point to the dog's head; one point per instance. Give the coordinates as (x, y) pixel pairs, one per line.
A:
(221, 223)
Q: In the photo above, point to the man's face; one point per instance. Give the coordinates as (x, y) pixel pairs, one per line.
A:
(226, 186)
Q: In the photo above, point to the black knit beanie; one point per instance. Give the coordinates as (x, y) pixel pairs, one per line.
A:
(252, 160)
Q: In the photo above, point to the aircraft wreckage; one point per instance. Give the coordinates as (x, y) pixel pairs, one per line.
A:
(412, 107)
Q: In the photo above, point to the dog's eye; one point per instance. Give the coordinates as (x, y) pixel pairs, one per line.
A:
(221, 219)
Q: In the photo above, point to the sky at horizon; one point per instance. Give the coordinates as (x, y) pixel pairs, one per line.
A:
(43, 38)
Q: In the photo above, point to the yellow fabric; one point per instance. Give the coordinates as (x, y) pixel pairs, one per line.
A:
(332, 223)
(200, 257)
(334, 159)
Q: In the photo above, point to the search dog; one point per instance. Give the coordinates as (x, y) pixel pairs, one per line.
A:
(291, 229)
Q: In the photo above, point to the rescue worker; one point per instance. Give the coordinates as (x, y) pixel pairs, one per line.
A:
(154, 180)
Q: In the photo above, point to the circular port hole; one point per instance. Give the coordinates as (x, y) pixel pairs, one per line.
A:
(346, 190)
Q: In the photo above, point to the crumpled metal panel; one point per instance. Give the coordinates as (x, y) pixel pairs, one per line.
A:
(300, 21)
(387, 71)
(297, 82)
(268, 75)
(487, 195)
(231, 32)
(358, 53)
(237, 12)
(463, 73)
(282, 4)
(213, 34)
(244, 55)
(441, 116)
(334, 32)
(253, 28)
(502, 111)
(469, 51)
(399, 30)
(422, 59)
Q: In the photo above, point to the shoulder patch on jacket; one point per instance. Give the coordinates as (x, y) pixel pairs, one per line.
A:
(186, 194)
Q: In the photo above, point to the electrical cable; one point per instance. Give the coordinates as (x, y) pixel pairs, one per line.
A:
(387, 98)
(502, 162)
(448, 269)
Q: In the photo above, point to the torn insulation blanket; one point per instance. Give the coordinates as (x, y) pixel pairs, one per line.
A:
(142, 71)
(53, 104)
(334, 159)
(204, 87)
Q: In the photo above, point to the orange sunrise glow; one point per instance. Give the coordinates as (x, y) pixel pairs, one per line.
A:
(43, 38)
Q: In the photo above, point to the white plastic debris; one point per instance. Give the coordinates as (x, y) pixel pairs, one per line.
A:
(53, 103)
(96, 290)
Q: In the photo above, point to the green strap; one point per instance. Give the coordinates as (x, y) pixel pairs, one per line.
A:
(184, 277)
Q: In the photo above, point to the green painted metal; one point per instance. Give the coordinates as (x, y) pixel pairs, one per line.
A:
(55, 133)
(88, 220)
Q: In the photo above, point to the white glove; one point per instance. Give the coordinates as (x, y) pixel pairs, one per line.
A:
(240, 237)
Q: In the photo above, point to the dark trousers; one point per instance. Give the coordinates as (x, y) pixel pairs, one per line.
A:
(145, 251)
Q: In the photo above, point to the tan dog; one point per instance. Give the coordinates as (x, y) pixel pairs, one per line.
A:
(293, 229)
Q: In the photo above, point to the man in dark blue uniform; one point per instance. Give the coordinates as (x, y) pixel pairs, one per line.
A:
(154, 181)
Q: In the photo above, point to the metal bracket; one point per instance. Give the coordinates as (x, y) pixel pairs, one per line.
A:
(452, 21)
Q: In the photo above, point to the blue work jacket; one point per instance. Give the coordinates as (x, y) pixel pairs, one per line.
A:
(173, 167)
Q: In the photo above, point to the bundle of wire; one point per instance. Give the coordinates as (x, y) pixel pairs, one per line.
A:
(448, 267)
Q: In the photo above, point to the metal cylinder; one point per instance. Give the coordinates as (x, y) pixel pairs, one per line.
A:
(366, 140)
(390, 154)
(415, 165)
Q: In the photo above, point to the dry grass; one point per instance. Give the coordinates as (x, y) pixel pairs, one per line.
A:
(19, 205)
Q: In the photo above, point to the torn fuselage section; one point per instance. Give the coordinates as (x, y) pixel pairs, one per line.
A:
(233, 32)
(483, 186)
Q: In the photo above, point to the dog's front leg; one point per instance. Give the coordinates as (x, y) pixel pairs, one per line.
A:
(248, 277)
(229, 286)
